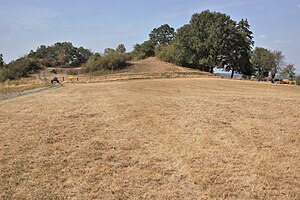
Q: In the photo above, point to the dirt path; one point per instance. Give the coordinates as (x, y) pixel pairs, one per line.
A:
(152, 139)
(11, 95)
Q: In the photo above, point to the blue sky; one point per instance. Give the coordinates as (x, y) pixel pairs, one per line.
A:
(97, 24)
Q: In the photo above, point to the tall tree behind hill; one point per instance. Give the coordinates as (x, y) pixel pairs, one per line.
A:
(162, 35)
(121, 49)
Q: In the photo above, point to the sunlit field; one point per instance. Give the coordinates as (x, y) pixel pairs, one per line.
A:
(199, 138)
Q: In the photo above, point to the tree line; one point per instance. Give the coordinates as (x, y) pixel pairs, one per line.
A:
(65, 55)
(210, 40)
(214, 40)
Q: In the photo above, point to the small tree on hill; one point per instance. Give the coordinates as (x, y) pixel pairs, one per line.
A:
(144, 50)
(289, 71)
(108, 51)
(121, 49)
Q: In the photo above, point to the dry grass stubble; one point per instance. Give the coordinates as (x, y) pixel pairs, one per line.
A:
(152, 139)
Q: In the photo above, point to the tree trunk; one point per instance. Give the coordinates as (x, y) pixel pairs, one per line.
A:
(232, 73)
(273, 75)
(211, 70)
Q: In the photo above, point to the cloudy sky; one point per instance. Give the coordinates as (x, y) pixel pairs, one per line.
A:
(97, 24)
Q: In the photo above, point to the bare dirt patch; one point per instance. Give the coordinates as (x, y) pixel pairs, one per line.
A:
(152, 139)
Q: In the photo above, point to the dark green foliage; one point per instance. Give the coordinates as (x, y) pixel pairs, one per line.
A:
(22, 67)
(172, 53)
(144, 50)
(237, 58)
(108, 51)
(110, 61)
(212, 39)
(121, 49)
(263, 60)
(162, 35)
(61, 54)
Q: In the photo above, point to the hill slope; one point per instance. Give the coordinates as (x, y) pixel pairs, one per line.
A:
(154, 65)
(150, 68)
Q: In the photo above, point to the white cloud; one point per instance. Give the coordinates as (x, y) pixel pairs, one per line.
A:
(263, 36)
(282, 42)
(298, 6)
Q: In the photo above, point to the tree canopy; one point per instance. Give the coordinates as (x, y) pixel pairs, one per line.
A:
(289, 71)
(62, 54)
(121, 49)
(213, 39)
(162, 35)
(21, 67)
(264, 61)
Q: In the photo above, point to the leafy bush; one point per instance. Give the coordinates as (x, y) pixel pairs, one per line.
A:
(22, 67)
(111, 61)
(61, 54)
(144, 50)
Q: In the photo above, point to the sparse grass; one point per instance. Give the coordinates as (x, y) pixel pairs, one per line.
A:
(21, 85)
(152, 139)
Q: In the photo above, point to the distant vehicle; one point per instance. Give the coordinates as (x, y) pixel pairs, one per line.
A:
(54, 79)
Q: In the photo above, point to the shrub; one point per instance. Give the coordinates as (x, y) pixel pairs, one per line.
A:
(144, 50)
(111, 61)
(22, 67)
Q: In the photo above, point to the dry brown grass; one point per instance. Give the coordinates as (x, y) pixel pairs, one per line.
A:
(152, 139)
(21, 85)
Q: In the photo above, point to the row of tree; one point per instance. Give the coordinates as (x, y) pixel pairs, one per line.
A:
(61, 54)
(270, 63)
(212, 39)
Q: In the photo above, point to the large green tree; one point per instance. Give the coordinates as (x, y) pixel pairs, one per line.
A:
(213, 39)
(162, 35)
(238, 53)
(263, 60)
